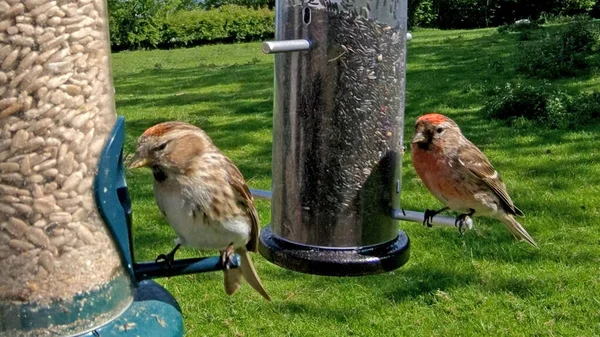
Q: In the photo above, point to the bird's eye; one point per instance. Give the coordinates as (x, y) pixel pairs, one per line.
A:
(439, 129)
(161, 146)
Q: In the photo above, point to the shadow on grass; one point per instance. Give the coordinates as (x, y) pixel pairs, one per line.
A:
(242, 94)
(463, 67)
(176, 87)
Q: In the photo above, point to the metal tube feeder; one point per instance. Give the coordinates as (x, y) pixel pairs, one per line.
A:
(337, 137)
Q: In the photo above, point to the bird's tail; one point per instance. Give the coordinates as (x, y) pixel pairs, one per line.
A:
(517, 230)
(249, 273)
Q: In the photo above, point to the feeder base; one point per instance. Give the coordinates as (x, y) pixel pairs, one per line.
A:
(153, 313)
(334, 261)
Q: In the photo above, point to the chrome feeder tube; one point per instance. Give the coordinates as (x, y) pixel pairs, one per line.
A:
(337, 137)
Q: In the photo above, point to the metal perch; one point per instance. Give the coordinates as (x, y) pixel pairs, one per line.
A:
(398, 214)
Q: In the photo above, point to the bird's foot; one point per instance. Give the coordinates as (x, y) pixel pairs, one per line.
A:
(428, 218)
(168, 258)
(464, 221)
(429, 214)
(226, 257)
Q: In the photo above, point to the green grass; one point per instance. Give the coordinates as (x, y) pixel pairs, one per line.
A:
(482, 283)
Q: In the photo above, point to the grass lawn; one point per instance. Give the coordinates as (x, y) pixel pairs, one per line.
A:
(482, 283)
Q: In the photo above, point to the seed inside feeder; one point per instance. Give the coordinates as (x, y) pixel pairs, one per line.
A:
(56, 112)
(339, 111)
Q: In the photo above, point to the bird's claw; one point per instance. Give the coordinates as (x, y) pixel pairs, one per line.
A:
(460, 222)
(226, 257)
(463, 221)
(164, 258)
(428, 218)
(168, 258)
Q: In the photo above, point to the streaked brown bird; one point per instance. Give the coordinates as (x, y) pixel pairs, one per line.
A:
(458, 174)
(203, 197)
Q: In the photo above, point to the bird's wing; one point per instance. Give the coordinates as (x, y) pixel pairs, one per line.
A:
(478, 164)
(244, 198)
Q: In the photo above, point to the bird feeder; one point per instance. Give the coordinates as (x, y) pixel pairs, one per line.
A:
(337, 137)
(66, 259)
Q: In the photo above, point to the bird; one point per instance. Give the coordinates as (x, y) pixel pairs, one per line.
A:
(458, 174)
(203, 196)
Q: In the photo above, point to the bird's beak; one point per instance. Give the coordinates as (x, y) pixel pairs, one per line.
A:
(136, 162)
(419, 138)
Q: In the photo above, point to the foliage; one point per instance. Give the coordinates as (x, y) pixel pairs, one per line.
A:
(138, 24)
(226, 23)
(574, 7)
(515, 100)
(209, 4)
(519, 26)
(585, 108)
(464, 14)
(143, 24)
(563, 53)
(421, 13)
(542, 104)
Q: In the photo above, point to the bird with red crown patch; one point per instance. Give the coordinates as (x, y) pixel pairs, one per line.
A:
(458, 174)
(203, 196)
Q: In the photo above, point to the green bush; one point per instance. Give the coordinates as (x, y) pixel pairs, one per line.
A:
(541, 104)
(537, 103)
(561, 54)
(575, 7)
(585, 108)
(128, 33)
(138, 24)
(210, 4)
(519, 26)
(226, 23)
(421, 13)
(452, 14)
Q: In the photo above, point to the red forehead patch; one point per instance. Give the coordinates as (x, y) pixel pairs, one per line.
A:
(162, 128)
(433, 118)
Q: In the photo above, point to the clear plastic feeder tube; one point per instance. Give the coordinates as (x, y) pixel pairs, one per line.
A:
(60, 273)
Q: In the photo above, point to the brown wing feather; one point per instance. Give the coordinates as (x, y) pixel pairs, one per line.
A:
(245, 197)
(474, 160)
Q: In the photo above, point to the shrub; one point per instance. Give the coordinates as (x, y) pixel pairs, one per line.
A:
(561, 54)
(543, 105)
(585, 108)
(128, 33)
(523, 25)
(140, 23)
(452, 14)
(226, 23)
(421, 13)
(537, 103)
(575, 7)
(210, 4)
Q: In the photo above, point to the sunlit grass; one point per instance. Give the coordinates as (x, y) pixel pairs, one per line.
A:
(482, 283)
